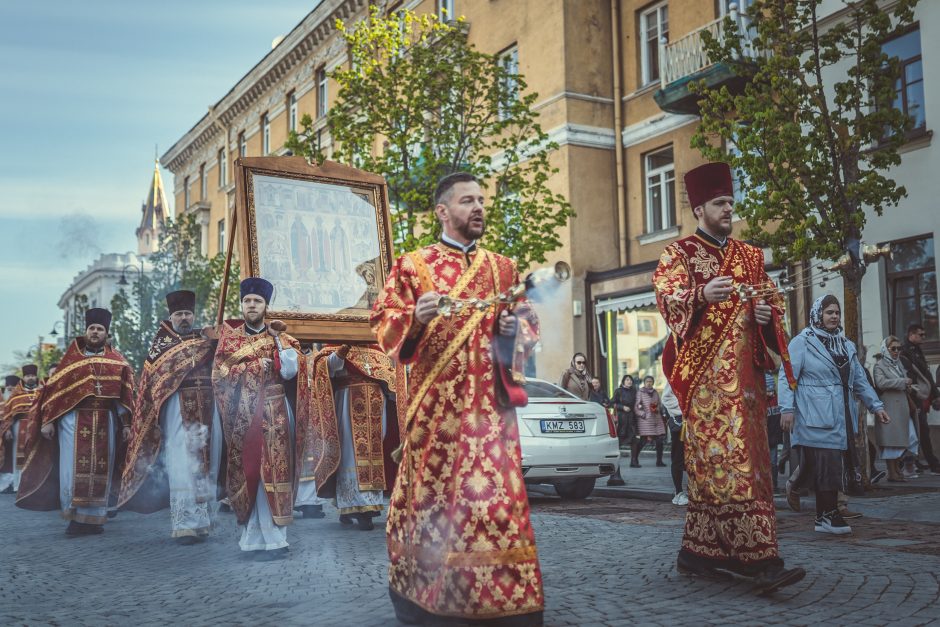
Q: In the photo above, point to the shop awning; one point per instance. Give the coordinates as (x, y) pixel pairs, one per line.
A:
(626, 303)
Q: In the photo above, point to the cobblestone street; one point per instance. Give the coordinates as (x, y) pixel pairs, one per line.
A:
(606, 561)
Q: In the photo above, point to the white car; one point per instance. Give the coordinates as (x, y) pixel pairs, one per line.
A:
(566, 442)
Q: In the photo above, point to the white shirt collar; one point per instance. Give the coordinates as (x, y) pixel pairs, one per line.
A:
(456, 244)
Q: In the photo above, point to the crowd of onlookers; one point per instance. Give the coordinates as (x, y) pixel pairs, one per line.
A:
(811, 426)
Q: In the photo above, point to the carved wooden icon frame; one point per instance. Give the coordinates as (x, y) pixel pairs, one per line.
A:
(321, 235)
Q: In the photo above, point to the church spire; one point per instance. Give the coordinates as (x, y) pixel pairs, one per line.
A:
(154, 213)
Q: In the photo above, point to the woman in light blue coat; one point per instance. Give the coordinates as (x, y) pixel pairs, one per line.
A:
(820, 413)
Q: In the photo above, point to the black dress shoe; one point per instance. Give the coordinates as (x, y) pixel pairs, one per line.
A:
(688, 565)
(83, 529)
(660, 465)
(190, 540)
(365, 522)
(346, 519)
(772, 580)
(312, 511)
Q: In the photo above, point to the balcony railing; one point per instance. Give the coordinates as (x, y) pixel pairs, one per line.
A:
(687, 55)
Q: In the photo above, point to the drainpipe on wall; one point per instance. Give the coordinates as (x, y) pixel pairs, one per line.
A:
(623, 240)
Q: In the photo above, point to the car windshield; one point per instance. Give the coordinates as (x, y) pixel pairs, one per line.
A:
(541, 389)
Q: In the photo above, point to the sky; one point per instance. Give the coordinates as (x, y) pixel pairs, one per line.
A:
(87, 91)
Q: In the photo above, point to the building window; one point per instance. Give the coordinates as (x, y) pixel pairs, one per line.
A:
(203, 184)
(509, 60)
(242, 145)
(638, 348)
(654, 25)
(621, 327)
(292, 112)
(222, 235)
(223, 174)
(265, 134)
(445, 10)
(909, 87)
(660, 176)
(911, 275)
(186, 193)
(322, 85)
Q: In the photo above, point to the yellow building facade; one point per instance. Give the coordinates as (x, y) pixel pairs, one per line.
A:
(596, 66)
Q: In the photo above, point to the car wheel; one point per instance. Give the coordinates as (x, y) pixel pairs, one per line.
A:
(576, 490)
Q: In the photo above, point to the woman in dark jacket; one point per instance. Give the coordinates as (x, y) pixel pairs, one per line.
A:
(622, 402)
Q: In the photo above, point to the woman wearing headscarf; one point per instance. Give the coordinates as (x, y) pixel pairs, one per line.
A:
(576, 378)
(898, 436)
(649, 422)
(820, 415)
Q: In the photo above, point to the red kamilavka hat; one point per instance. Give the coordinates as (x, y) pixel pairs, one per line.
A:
(707, 182)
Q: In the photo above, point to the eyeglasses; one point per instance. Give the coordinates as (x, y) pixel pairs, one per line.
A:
(894, 349)
(579, 363)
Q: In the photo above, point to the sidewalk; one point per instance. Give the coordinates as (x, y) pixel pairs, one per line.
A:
(655, 484)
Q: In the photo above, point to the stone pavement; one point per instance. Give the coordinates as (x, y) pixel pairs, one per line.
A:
(605, 562)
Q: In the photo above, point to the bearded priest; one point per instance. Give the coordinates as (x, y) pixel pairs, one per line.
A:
(176, 435)
(460, 541)
(74, 428)
(252, 362)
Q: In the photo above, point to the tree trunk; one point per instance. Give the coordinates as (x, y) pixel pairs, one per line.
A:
(852, 323)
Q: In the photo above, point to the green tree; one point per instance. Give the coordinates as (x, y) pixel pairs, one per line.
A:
(815, 130)
(177, 264)
(418, 102)
(44, 360)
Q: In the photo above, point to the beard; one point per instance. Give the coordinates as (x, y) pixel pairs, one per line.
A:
(717, 227)
(184, 328)
(254, 319)
(95, 344)
(471, 230)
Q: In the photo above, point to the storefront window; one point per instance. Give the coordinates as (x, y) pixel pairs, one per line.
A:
(634, 344)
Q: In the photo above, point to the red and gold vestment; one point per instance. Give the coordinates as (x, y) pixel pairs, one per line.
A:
(16, 408)
(459, 537)
(89, 385)
(174, 363)
(368, 369)
(715, 360)
(253, 410)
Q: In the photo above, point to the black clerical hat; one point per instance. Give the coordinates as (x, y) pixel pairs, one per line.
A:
(97, 315)
(181, 300)
(257, 286)
(11, 380)
(30, 369)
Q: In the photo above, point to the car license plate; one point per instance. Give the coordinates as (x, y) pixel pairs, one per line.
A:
(562, 426)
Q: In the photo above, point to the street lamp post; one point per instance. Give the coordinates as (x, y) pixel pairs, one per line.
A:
(55, 334)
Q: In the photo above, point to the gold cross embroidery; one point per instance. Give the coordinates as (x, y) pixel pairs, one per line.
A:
(97, 388)
(85, 432)
(368, 368)
(83, 461)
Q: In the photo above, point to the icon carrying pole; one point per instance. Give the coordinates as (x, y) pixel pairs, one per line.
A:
(223, 293)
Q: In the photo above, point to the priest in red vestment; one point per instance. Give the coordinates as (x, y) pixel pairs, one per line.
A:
(7, 453)
(460, 542)
(72, 438)
(252, 362)
(715, 358)
(176, 435)
(13, 423)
